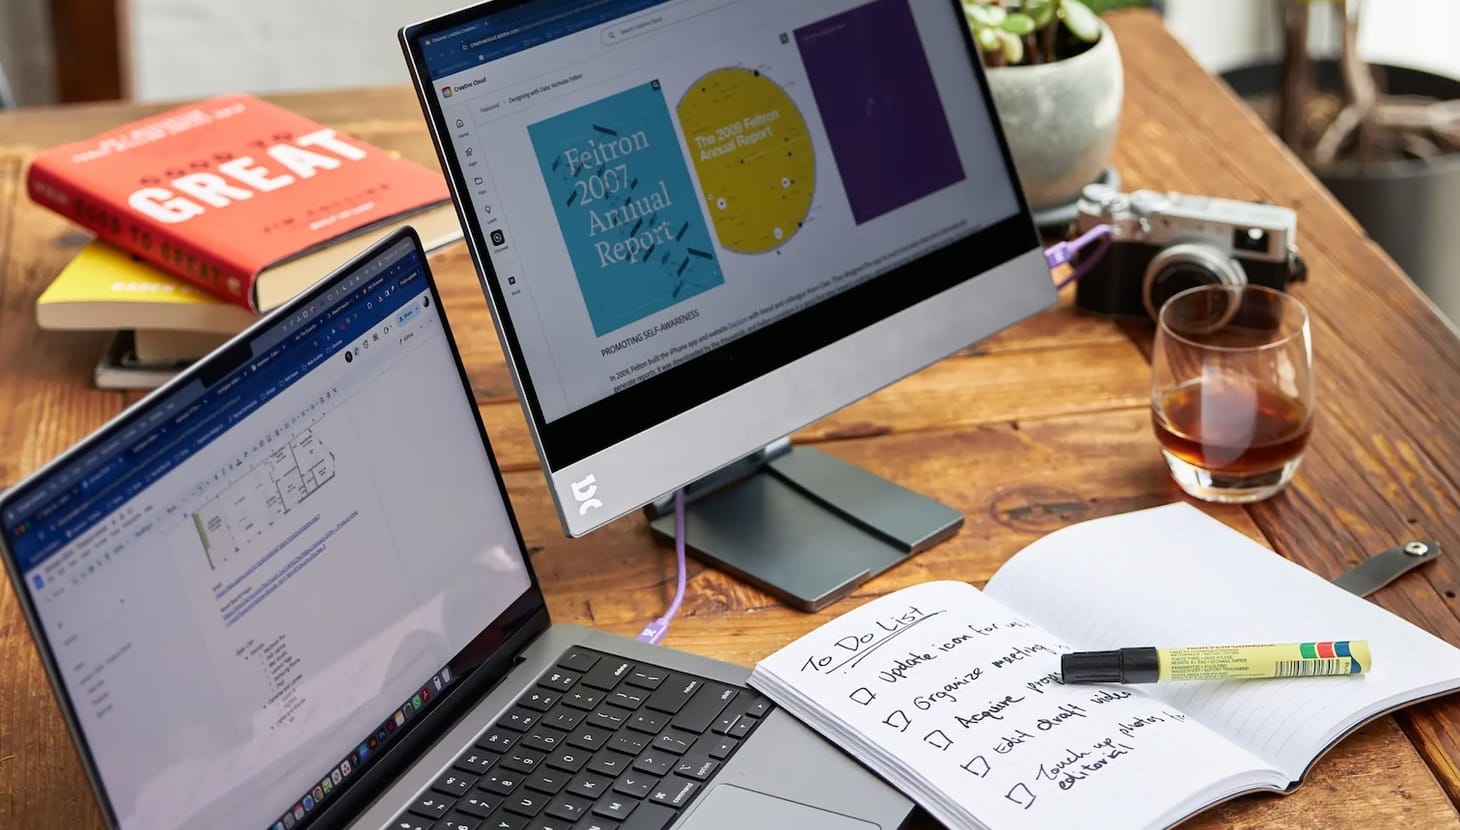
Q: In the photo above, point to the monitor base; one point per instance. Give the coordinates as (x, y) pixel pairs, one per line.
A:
(803, 525)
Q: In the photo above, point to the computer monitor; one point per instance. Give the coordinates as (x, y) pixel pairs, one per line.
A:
(703, 224)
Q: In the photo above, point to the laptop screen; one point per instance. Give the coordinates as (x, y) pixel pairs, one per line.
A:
(255, 581)
(733, 183)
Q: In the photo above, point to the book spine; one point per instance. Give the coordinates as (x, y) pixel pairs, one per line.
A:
(152, 241)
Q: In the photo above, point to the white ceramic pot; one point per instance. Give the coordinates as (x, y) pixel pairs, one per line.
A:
(1060, 119)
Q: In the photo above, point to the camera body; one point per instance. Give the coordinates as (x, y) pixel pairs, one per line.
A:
(1164, 243)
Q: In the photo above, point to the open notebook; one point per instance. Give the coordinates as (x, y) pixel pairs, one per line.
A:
(954, 696)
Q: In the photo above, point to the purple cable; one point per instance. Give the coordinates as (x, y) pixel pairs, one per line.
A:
(1061, 252)
(655, 631)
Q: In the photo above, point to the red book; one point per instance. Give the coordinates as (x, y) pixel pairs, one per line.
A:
(246, 199)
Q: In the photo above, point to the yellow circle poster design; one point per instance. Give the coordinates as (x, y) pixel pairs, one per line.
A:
(752, 154)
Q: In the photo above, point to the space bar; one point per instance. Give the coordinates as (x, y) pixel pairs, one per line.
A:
(648, 816)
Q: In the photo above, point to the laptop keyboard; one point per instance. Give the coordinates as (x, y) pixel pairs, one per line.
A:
(598, 743)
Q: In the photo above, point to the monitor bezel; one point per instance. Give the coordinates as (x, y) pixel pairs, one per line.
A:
(571, 442)
(523, 620)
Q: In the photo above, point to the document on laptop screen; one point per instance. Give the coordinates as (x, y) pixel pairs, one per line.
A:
(255, 575)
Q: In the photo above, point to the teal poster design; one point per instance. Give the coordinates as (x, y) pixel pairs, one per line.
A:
(626, 206)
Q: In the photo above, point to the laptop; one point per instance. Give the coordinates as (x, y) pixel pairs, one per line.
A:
(287, 590)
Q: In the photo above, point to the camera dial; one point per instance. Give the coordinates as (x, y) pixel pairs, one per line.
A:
(1187, 265)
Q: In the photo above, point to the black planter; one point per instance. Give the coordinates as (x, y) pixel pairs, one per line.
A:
(1411, 208)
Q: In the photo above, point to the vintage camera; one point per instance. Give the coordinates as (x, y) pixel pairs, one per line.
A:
(1164, 243)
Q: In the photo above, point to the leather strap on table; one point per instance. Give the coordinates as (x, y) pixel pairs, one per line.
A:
(1374, 573)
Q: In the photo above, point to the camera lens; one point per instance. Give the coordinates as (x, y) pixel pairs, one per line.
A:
(1184, 266)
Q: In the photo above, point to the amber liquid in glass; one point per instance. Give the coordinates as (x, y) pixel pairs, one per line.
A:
(1232, 429)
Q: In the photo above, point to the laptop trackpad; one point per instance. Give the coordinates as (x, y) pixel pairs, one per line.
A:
(727, 806)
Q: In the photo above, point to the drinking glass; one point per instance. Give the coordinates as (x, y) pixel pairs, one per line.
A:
(1232, 390)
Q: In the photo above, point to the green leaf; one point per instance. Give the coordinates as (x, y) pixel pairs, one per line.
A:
(988, 39)
(1040, 11)
(1013, 47)
(1081, 22)
(980, 14)
(1018, 24)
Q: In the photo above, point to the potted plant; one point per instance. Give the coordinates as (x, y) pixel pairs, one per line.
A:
(1055, 74)
(1384, 139)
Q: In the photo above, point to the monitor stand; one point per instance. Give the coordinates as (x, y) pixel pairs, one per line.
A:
(803, 525)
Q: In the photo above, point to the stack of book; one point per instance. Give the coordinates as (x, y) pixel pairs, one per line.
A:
(211, 214)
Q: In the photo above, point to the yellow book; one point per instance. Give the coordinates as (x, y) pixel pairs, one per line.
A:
(104, 288)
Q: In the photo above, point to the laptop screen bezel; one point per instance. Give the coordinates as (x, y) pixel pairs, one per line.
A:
(505, 636)
(590, 429)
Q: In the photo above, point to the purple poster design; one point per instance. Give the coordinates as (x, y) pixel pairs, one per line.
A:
(875, 93)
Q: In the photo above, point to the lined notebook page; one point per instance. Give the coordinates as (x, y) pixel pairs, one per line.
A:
(943, 681)
(1172, 576)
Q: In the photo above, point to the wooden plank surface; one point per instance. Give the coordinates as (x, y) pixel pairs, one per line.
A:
(1040, 426)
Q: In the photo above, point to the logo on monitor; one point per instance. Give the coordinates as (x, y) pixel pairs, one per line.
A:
(445, 92)
(583, 493)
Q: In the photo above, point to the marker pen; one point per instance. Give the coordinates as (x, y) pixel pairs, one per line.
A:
(1158, 665)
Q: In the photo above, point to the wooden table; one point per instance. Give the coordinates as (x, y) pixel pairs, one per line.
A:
(1038, 427)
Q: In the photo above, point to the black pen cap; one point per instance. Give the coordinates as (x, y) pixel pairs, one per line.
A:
(1128, 665)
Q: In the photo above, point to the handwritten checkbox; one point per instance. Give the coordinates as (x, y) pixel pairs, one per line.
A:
(938, 739)
(863, 696)
(1021, 795)
(978, 766)
(897, 720)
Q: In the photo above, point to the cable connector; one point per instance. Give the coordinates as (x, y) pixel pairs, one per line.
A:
(654, 632)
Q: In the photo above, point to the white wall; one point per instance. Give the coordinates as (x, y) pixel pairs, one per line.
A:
(25, 50)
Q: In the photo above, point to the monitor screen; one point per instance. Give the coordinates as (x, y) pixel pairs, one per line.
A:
(255, 582)
(672, 198)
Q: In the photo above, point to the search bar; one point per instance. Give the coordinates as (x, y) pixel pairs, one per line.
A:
(632, 27)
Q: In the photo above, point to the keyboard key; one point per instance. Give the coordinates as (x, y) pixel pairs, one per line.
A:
(501, 782)
(564, 718)
(539, 700)
(544, 739)
(476, 762)
(697, 767)
(650, 722)
(646, 677)
(596, 823)
(609, 717)
(629, 698)
(670, 742)
(649, 816)
(522, 760)
(569, 807)
(589, 737)
(478, 804)
(458, 821)
(614, 807)
(454, 784)
(548, 780)
(631, 742)
(549, 823)
(584, 698)
(607, 674)
(431, 806)
(578, 660)
(655, 762)
(716, 746)
(559, 680)
(674, 693)
(408, 822)
(519, 720)
(525, 803)
(609, 763)
(759, 707)
(505, 821)
(498, 740)
(742, 727)
(704, 708)
(635, 784)
(589, 785)
(569, 758)
(674, 791)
